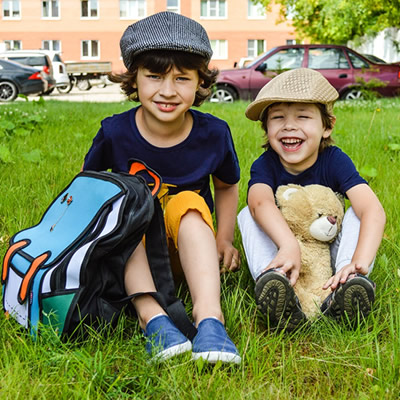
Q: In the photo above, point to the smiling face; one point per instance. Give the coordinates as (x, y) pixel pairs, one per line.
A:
(295, 131)
(166, 97)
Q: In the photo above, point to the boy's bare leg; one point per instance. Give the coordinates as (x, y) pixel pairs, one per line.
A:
(138, 279)
(199, 260)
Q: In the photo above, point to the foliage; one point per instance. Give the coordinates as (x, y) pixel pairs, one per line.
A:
(16, 123)
(339, 21)
(322, 361)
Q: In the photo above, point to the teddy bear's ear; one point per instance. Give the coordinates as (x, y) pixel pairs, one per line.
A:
(283, 194)
(288, 192)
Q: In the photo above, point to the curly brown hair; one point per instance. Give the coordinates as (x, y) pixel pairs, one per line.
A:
(161, 62)
(327, 122)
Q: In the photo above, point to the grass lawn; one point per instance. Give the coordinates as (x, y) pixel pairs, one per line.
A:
(42, 145)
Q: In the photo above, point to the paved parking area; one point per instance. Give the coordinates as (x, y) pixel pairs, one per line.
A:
(109, 94)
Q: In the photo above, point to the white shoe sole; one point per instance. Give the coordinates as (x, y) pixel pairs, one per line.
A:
(215, 356)
(173, 351)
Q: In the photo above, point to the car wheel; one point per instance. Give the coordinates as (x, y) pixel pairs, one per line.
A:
(65, 89)
(353, 94)
(83, 84)
(8, 91)
(223, 94)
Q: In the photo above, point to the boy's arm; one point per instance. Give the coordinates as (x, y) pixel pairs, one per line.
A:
(262, 207)
(226, 201)
(372, 222)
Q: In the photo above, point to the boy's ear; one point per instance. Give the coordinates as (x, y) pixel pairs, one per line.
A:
(328, 131)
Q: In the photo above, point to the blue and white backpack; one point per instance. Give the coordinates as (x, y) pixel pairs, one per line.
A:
(68, 270)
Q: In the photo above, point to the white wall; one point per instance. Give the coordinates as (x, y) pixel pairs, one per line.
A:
(382, 45)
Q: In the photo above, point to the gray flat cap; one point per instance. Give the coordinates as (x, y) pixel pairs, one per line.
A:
(164, 31)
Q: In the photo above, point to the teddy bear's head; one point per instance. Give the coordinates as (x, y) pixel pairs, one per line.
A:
(312, 211)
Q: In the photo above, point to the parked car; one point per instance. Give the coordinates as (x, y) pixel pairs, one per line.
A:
(18, 79)
(49, 62)
(339, 64)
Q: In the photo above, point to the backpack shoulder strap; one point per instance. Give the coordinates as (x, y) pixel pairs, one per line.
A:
(158, 257)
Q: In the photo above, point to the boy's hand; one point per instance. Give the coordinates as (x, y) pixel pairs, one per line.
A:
(288, 262)
(228, 256)
(342, 276)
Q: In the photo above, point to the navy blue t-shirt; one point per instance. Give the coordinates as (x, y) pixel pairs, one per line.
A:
(333, 169)
(208, 150)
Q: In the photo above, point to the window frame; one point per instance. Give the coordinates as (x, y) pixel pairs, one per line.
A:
(256, 41)
(207, 16)
(252, 6)
(10, 3)
(97, 3)
(136, 9)
(215, 45)
(51, 48)
(13, 41)
(90, 56)
(176, 9)
(50, 4)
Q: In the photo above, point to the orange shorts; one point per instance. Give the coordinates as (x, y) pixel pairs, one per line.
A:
(177, 207)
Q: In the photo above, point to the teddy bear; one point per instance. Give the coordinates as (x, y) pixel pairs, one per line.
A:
(314, 213)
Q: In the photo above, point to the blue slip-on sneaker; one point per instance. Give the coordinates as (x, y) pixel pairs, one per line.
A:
(277, 301)
(213, 344)
(352, 298)
(164, 340)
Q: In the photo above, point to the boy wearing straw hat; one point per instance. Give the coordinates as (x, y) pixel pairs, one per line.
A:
(167, 57)
(296, 112)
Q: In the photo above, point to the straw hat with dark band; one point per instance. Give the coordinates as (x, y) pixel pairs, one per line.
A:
(301, 85)
(164, 31)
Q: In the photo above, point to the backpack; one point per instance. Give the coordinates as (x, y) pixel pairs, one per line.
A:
(68, 270)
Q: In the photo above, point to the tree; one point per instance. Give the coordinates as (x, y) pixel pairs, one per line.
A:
(338, 21)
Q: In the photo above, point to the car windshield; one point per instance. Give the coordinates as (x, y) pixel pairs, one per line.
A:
(57, 58)
(258, 59)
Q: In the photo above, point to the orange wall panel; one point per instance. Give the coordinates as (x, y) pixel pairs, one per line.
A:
(71, 29)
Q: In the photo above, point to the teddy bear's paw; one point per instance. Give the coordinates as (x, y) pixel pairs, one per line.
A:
(276, 300)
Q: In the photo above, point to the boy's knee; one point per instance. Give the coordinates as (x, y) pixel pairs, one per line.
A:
(182, 204)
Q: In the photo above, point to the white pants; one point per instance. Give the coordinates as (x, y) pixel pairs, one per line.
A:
(260, 250)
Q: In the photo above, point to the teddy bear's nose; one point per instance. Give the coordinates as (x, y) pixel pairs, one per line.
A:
(331, 219)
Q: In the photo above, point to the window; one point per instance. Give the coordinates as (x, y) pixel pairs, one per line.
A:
(174, 6)
(327, 58)
(89, 9)
(285, 59)
(290, 41)
(220, 49)
(90, 49)
(255, 11)
(213, 9)
(53, 45)
(255, 47)
(357, 61)
(50, 9)
(13, 44)
(11, 9)
(132, 9)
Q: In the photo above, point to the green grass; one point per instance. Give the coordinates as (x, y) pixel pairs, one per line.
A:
(326, 360)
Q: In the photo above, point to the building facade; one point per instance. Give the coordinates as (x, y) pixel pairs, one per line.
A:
(90, 30)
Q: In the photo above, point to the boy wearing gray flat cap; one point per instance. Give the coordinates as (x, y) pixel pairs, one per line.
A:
(167, 57)
(296, 112)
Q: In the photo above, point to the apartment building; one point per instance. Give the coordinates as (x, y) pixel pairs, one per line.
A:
(90, 30)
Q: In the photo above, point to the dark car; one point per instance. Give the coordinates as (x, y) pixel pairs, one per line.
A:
(40, 60)
(339, 64)
(18, 79)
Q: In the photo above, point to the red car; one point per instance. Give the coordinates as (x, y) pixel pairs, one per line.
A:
(339, 64)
